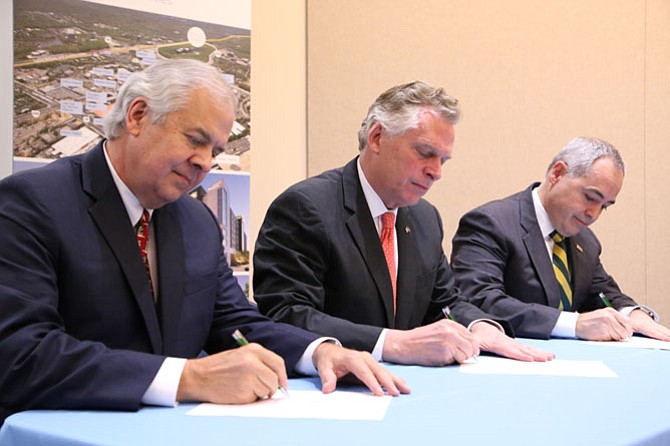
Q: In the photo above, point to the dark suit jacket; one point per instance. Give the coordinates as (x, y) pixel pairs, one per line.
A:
(319, 264)
(501, 262)
(78, 326)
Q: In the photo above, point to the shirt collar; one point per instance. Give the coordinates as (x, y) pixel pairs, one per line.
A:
(375, 204)
(132, 204)
(542, 217)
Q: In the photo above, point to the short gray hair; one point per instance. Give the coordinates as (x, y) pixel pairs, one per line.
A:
(580, 154)
(166, 85)
(398, 109)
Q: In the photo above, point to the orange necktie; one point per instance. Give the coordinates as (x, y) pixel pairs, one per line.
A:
(388, 245)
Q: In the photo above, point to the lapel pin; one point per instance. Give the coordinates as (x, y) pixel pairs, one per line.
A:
(407, 230)
(579, 248)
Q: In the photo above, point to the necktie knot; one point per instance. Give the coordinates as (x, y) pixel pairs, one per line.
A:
(143, 224)
(556, 237)
(388, 220)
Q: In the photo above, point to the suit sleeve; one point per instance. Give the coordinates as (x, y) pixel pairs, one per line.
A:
(481, 259)
(234, 311)
(42, 365)
(291, 265)
(445, 290)
(601, 281)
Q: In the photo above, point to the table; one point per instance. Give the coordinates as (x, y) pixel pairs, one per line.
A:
(446, 407)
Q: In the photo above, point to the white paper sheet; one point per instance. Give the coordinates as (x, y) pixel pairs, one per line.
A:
(488, 365)
(636, 342)
(338, 405)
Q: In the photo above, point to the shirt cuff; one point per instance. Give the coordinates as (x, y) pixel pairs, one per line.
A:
(626, 311)
(163, 389)
(305, 364)
(488, 321)
(566, 325)
(378, 351)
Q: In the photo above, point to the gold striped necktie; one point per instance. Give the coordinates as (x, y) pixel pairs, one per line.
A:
(562, 271)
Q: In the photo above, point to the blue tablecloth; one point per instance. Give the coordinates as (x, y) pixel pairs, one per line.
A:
(445, 407)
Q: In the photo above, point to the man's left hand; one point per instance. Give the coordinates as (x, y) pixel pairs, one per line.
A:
(493, 340)
(644, 324)
(334, 362)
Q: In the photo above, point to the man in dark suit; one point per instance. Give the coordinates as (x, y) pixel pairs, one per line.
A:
(502, 253)
(319, 262)
(85, 323)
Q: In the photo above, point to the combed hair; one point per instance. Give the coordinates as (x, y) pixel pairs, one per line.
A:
(166, 85)
(580, 154)
(398, 109)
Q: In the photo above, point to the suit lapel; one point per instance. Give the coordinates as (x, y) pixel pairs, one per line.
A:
(111, 218)
(580, 279)
(170, 255)
(536, 248)
(363, 231)
(408, 259)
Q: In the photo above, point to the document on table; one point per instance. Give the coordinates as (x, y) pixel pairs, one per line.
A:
(338, 405)
(488, 365)
(636, 342)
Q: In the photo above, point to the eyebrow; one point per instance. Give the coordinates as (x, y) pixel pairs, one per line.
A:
(208, 139)
(600, 195)
(431, 150)
(203, 134)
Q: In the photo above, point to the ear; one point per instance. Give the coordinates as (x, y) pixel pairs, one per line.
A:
(557, 171)
(374, 137)
(137, 114)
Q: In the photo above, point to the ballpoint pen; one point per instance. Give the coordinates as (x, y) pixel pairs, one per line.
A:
(607, 303)
(605, 300)
(447, 313)
(242, 341)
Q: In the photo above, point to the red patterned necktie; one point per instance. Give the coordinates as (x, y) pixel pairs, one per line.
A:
(142, 239)
(388, 245)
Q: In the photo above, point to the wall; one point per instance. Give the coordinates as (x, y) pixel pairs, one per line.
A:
(278, 110)
(530, 76)
(657, 155)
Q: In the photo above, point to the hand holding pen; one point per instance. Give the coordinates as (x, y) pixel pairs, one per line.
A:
(449, 315)
(606, 324)
(242, 341)
(233, 376)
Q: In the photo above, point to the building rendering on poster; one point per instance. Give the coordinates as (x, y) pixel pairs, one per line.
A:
(72, 56)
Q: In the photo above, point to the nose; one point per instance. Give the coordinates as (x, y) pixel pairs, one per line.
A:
(434, 169)
(202, 159)
(593, 212)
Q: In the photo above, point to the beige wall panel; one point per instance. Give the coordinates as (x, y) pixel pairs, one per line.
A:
(658, 156)
(530, 76)
(278, 112)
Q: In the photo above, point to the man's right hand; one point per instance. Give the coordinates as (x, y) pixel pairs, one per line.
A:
(605, 324)
(237, 376)
(440, 343)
